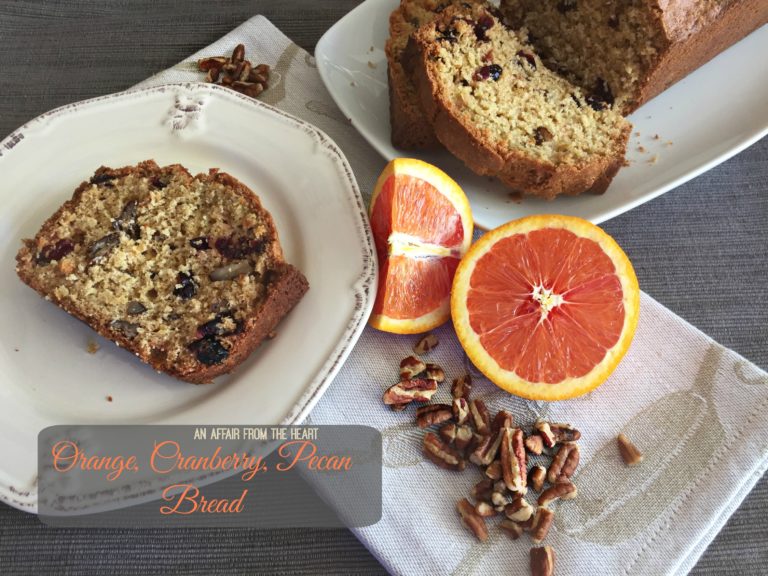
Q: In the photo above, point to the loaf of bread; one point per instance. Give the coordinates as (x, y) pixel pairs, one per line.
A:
(493, 104)
(630, 51)
(410, 130)
(186, 272)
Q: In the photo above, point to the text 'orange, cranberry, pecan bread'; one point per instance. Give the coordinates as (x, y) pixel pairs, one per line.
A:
(410, 129)
(630, 51)
(185, 271)
(495, 106)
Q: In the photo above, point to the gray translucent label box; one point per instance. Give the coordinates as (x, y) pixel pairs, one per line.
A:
(209, 476)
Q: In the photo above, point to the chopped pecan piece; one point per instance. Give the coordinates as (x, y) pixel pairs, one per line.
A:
(501, 420)
(629, 452)
(471, 520)
(482, 491)
(425, 344)
(480, 417)
(460, 410)
(564, 463)
(238, 54)
(433, 414)
(534, 444)
(541, 524)
(441, 454)
(411, 367)
(434, 372)
(542, 561)
(564, 432)
(513, 529)
(447, 432)
(499, 500)
(494, 470)
(560, 491)
(545, 432)
(518, 510)
(417, 390)
(536, 477)
(462, 387)
(513, 459)
(463, 437)
(215, 63)
(486, 450)
(485, 510)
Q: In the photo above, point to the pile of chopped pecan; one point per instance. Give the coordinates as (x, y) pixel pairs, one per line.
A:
(464, 432)
(236, 72)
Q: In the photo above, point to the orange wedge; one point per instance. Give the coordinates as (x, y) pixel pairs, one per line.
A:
(546, 306)
(422, 226)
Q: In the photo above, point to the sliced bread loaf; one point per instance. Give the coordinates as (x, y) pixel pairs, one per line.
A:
(493, 104)
(631, 51)
(186, 272)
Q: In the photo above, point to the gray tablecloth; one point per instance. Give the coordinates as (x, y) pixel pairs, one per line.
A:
(702, 250)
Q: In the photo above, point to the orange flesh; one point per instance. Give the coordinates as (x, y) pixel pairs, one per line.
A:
(574, 335)
(412, 286)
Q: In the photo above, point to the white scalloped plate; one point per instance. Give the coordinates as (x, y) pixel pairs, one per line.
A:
(46, 375)
(708, 117)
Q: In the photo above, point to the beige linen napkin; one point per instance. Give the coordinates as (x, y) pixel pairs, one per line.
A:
(699, 412)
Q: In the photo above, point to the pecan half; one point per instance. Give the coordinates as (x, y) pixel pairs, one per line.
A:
(534, 444)
(541, 524)
(411, 367)
(536, 477)
(513, 529)
(542, 561)
(425, 344)
(501, 420)
(462, 387)
(494, 470)
(564, 463)
(482, 491)
(433, 414)
(460, 410)
(560, 491)
(518, 510)
(480, 417)
(629, 452)
(434, 372)
(542, 427)
(471, 520)
(486, 450)
(513, 459)
(417, 390)
(441, 454)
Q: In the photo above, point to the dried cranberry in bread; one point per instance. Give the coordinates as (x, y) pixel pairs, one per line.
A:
(185, 271)
(631, 51)
(494, 105)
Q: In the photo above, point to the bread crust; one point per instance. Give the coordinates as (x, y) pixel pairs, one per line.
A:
(511, 167)
(409, 127)
(690, 46)
(286, 286)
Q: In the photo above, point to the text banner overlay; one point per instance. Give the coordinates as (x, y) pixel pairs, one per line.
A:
(210, 476)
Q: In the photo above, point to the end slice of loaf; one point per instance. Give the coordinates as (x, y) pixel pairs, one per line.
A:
(494, 105)
(410, 129)
(184, 271)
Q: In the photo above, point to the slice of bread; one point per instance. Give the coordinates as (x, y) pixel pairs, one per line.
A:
(186, 272)
(493, 104)
(410, 129)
